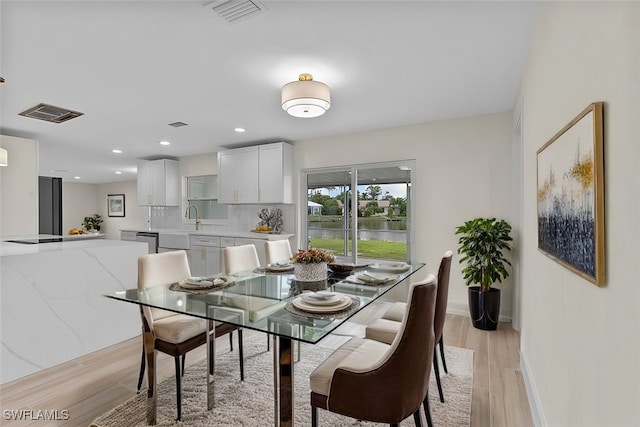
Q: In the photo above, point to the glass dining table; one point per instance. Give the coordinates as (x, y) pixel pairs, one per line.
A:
(274, 303)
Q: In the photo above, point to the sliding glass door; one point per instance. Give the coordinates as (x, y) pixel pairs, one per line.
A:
(361, 212)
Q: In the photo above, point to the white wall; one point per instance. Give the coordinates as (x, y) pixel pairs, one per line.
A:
(462, 171)
(19, 187)
(134, 216)
(580, 343)
(78, 201)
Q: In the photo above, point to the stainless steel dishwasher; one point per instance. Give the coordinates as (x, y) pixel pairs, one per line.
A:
(150, 238)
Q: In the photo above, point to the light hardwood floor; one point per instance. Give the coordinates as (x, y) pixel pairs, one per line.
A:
(89, 386)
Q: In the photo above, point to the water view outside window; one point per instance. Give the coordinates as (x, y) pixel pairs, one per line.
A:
(378, 214)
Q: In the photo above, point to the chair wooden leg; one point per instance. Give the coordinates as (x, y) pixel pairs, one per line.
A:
(416, 418)
(268, 342)
(314, 416)
(427, 410)
(240, 351)
(143, 364)
(184, 358)
(436, 369)
(178, 387)
(231, 340)
(444, 362)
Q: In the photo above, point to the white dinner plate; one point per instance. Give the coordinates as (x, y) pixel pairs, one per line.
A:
(314, 299)
(395, 267)
(279, 267)
(303, 305)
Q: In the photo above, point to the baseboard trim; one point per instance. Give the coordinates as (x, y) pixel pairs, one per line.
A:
(537, 413)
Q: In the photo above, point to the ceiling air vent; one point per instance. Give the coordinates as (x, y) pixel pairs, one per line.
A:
(50, 113)
(177, 124)
(236, 10)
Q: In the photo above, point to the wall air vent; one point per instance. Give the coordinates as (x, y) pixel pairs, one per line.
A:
(236, 10)
(50, 113)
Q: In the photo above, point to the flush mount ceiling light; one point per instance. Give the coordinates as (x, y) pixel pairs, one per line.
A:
(306, 97)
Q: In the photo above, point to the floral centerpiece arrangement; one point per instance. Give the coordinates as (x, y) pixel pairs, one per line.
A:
(311, 265)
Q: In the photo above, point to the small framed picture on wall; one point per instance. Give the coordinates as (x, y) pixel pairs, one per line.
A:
(115, 204)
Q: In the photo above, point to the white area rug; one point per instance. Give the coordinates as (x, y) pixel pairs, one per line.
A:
(250, 403)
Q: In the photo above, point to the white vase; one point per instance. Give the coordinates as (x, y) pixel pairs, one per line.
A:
(310, 272)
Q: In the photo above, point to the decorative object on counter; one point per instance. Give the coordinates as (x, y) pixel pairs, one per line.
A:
(270, 221)
(91, 224)
(115, 204)
(311, 265)
(76, 231)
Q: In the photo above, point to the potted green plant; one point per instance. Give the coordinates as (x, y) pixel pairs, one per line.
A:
(92, 223)
(482, 244)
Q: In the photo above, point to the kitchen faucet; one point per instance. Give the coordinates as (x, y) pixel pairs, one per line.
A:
(186, 215)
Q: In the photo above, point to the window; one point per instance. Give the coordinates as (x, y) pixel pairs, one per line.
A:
(202, 192)
(377, 213)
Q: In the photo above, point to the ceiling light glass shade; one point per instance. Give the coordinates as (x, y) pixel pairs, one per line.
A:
(4, 157)
(306, 98)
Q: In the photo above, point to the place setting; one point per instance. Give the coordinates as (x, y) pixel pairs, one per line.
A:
(390, 267)
(285, 266)
(197, 284)
(322, 304)
(371, 278)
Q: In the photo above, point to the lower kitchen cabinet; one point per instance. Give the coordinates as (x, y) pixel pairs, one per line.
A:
(205, 255)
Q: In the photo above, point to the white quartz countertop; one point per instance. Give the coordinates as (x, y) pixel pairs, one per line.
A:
(221, 233)
(11, 249)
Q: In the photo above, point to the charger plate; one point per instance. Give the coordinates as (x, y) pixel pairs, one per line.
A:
(348, 310)
(183, 286)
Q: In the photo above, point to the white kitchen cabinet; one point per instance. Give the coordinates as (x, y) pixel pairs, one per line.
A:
(158, 183)
(205, 255)
(259, 174)
(238, 175)
(275, 173)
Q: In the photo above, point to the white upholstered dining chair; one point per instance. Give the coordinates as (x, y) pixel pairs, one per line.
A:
(240, 258)
(173, 334)
(277, 251)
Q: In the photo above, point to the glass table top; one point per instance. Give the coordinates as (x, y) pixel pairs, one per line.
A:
(271, 302)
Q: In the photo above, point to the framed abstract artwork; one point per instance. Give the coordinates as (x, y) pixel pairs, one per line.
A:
(570, 188)
(115, 204)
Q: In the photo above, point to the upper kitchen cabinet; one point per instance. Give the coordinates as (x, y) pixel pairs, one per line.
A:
(158, 183)
(259, 174)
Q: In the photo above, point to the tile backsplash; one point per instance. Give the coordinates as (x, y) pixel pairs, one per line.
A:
(240, 218)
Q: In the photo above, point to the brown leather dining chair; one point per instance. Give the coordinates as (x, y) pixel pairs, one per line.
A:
(385, 383)
(386, 328)
(173, 334)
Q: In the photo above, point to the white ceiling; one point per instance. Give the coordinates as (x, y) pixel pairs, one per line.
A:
(134, 67)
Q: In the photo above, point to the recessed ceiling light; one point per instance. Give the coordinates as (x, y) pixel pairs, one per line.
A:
(165, 143)
(117, 151)
(76, 177)
(239, 130)
(118, 172)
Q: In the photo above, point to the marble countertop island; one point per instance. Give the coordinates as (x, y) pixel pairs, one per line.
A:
(52, 306)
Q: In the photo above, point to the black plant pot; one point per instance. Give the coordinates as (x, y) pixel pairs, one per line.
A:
(484, 308)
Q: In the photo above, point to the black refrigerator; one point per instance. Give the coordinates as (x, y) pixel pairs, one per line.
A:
(50, 205)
